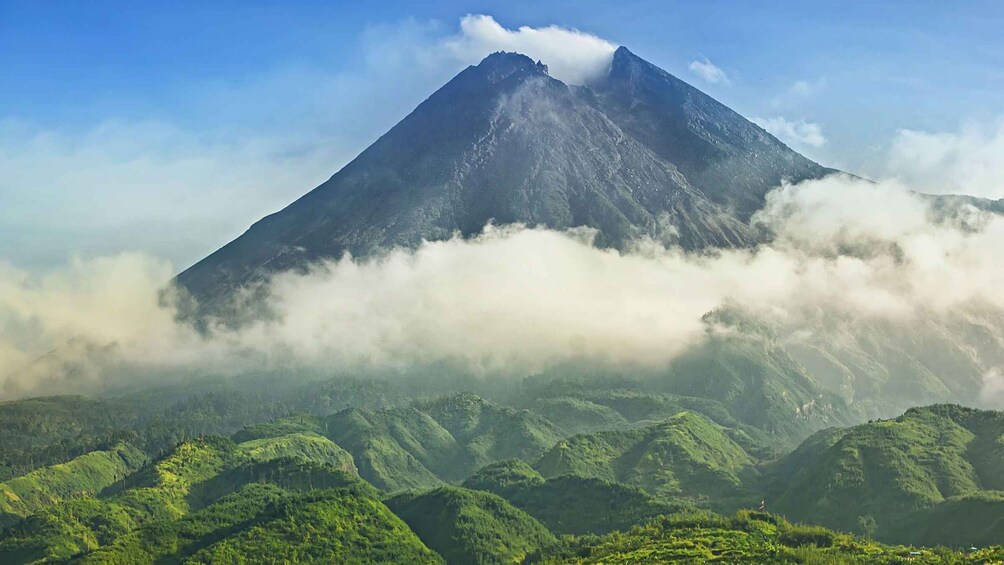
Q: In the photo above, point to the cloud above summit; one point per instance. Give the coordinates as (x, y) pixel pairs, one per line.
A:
(572, 56)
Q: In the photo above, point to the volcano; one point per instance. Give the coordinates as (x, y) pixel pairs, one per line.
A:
(636, 153)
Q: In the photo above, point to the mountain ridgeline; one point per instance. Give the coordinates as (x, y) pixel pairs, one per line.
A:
(636, 153)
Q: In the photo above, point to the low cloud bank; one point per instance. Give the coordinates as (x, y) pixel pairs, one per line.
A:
(514, 300)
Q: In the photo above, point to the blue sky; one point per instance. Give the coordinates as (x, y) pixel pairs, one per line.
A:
(171, 127)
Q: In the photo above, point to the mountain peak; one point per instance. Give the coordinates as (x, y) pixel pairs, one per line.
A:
(636, 153)
(622, 52)
(502, 64)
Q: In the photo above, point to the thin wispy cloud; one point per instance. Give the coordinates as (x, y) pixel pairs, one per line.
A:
(798, 134)
(804, 88)
(708, 72)
(798, 92)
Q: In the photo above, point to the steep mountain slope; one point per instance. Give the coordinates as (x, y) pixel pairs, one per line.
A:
(900, 479)
(470, 527)
(728, 158)
(639, 153)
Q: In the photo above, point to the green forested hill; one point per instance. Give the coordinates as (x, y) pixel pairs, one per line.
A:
(446, 439)
(747, 537)
(314, 488)
(687, 455)
(902, 479)
(86, 475)
(194, 475)
(470, 527)
(569, 504)
(324, 526)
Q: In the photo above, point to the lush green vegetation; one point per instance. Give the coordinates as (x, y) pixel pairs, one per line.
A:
(193, 476)
(685, 456)
(326, 526)
(931, 476)
(446, 439)
(757, 381)
(595, 470)
(569, 504)
(86, 475)
(470, 527)
(747, 537)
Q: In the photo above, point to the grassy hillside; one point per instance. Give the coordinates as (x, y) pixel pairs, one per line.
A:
(578, 415)
(86, 475)
(901, 479)
(471, 527)
(747, 537)
(569, 504)
(685, 456)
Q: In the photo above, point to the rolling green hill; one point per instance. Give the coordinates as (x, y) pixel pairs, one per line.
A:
(49, 430)
(902, 479)
(569, 504)
(685, 456)
(86, 475)
(446, 439)
(747, 537)
(193, 476)
(471, 527)
(293, 489)
(324, 526)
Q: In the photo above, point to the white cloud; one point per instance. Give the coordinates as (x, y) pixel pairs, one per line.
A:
(798, 92)
(572, 56)
(515, 300)
(709, 72)
(969, 161)
(798, 134)
(805, 88)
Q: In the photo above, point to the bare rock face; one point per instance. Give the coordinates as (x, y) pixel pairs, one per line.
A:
(637, 153)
